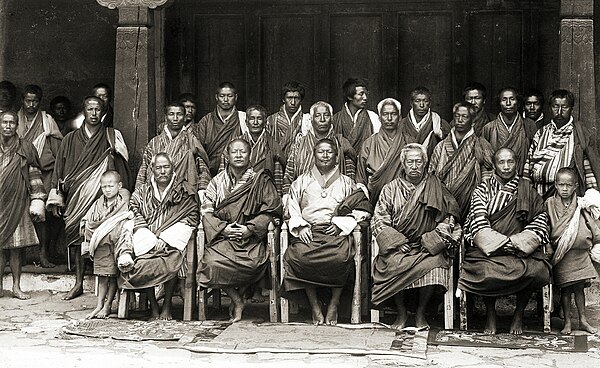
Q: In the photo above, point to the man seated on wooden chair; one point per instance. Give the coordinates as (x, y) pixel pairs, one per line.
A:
(238, 206)
(505, 229)
(414, 223)
(324, 207)
(166, 214)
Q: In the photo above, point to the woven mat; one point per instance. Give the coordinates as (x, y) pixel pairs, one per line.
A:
(119, 329)
(366, 339)
(540, 341)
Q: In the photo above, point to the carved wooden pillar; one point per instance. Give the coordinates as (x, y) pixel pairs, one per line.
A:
(577, 57)
(135, 86)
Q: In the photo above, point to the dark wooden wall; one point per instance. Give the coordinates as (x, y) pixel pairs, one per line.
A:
(396, 45)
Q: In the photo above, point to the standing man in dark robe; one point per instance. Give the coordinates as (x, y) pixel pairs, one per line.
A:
(188, 101)
(422, 125)
(509, 129)
(476, 94)
(289, 121)
(239, 204)
(533, 106)
(462, 159)
(219, 127)
(39, 128)
(505, 231)
(83, 156)
(60, 109)
(354, 121)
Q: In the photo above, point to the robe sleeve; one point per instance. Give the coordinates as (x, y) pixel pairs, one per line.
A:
(296, 221)
(142, 173)
(388, 239)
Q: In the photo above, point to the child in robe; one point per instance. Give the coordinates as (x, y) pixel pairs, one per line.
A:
(107, 229)
(574, 229)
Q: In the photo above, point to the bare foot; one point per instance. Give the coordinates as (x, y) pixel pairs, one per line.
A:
(17, 293)
(93, 313)
(585, 326)
(317, 317)
(490, 324)
(105, 312)
(236, 314)
(400, 321)
(567, 327)
(165, 315)
(45, 263)
(516, 326)
(153, 316)
(421, 323)
(76, 291)
(332, 315)
(257, 297)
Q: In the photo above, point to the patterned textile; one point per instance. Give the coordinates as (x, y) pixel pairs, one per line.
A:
(462, 166)
(517, 137)
(177, 209)
(285, 129)
(355, 128)
(20, 183)
(553, 148)
(505, 228)
(190, 161)
(252, 201)
(214, 133)
(409, 214)
(301, 158)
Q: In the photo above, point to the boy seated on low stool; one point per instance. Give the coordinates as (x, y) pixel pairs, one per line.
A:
(574, 229)
(107, 229)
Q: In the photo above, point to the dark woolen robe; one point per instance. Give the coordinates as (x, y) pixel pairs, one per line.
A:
(178, 206)
(78, 163)
(408, 214)
(357, 132)
(414, 136)
(228, 263)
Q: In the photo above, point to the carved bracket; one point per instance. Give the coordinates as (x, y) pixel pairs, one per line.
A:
(577, 31)
(113, 4)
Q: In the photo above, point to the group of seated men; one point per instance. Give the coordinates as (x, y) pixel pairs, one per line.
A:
(424, 183)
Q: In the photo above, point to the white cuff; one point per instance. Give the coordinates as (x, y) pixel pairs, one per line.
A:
(344, 223)
(295, 223)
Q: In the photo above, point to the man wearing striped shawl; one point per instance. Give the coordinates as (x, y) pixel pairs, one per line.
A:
(165, 215)
(240, 203)
(22, 198)
(289, 121)
(414, 223)
(40, 129)
(190, 161)
(354, 121)
(562, 143)
(301, 158)
(83, 156)
(506, 227)
(462, 159)
(510, 129)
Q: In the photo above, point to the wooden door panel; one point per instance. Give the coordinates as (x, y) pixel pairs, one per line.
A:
(287, 53)
(356, 51)
(495, 51)
(220, 56)
(425, 58)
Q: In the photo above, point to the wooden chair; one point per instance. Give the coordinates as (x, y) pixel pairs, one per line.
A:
(462, 296)
(205, 294)
(356, 294)
(127, 297)
(448, 295)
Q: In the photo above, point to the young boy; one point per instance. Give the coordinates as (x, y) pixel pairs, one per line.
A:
(573, 231)
(107, 229)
